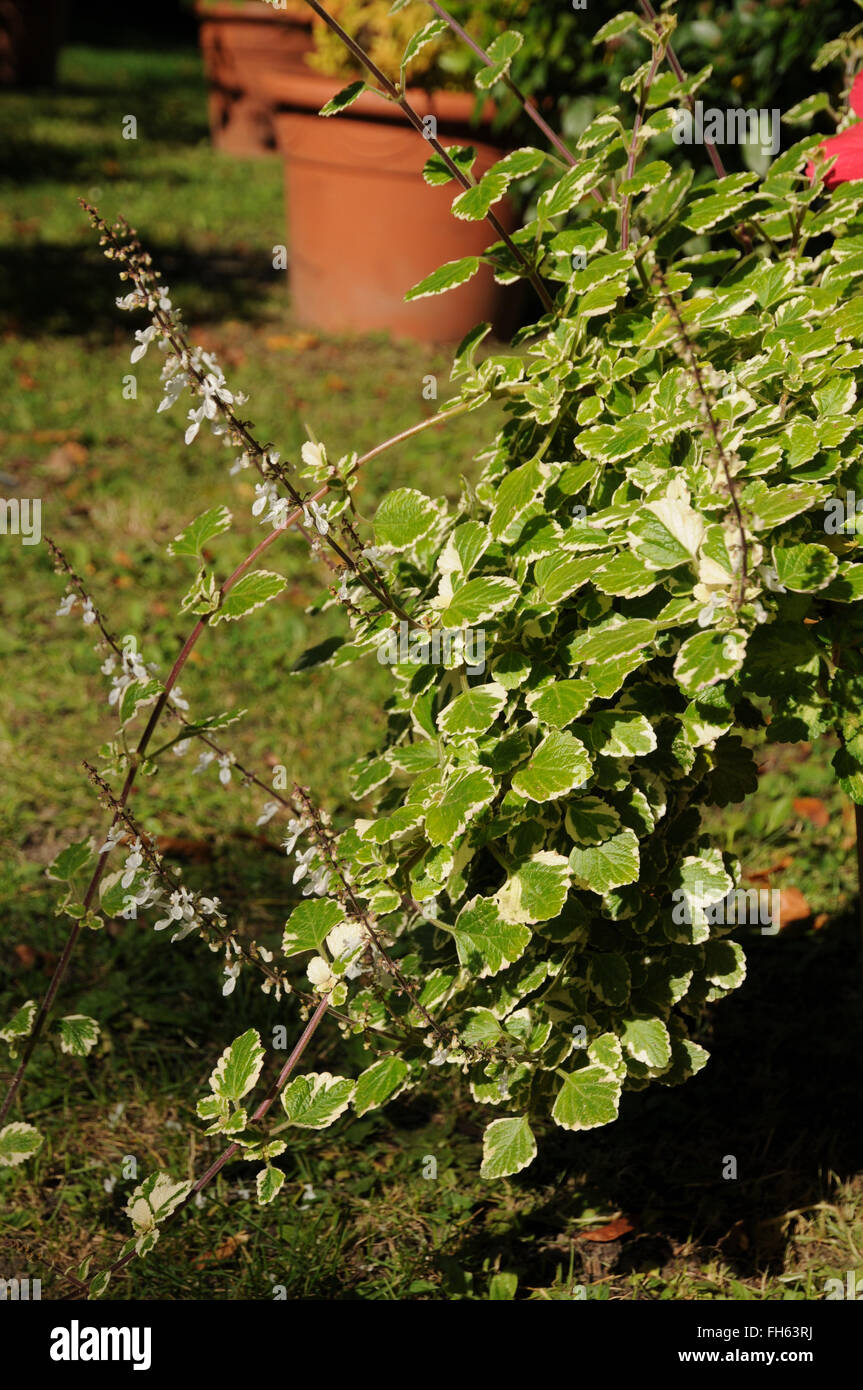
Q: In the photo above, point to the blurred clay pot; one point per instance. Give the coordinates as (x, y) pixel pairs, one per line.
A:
(364, 225)
(240, 43)
(31, 32)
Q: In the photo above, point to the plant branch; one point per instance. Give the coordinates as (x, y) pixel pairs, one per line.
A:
(633, 148)
(527, 104)
(415, 119)
(706, 405)
(266, 1104)
(138, 756)
(713, 154)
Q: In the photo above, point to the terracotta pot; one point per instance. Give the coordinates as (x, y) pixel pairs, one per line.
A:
(31, 32)
(239, 43)
(365, 227)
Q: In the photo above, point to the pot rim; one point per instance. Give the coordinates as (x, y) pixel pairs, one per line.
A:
(252, 11)
(297, 88)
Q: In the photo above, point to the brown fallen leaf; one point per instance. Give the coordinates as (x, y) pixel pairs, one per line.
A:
(793, 907)
(775, 868)
(613, 1230)
(821, 920)
(291, 342)
(26, 955)
(812, 808)
(62, 462)
(229, 1247)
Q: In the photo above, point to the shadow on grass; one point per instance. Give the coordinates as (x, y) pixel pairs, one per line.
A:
(780, 1094)
(47, 288)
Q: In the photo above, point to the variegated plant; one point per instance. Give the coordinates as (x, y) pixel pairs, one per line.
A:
(645, 556)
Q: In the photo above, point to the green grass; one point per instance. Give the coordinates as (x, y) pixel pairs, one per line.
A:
(357, 1218)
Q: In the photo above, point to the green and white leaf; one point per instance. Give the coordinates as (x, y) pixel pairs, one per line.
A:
(251, 591)
(608, 865)
(193, 538)
(309, 925)
(379, 1083)
(558, 765)
(485, 941)
(239, 1067)
(508, 1146)
(588, 1098)
(317, 1099)
(78, 1034)
(18, 1142)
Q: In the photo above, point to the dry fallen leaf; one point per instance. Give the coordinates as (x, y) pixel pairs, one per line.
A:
(620, 1226)
(775, 868)
(793, 907)
(229, 1246)
(812, 808)
(291, 342)
(61, 463)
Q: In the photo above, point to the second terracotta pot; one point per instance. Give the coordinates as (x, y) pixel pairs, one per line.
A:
(364, 225)
(242, 45)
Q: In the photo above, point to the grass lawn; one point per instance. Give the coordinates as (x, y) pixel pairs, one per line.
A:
(357, 1218)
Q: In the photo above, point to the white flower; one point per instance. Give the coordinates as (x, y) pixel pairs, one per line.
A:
(204, 760)
(318, 883)
(295, 830)
(320, 974)
(303, 861)
(174, 388)
(133, 863)
(232, 972)
(278, 513)
(771, 580)
(181, 747)
(214, 388)
(315, 514)
(143, 337)
(195, 417)
(265, 954)
(115, 834)
(239, 464)
(108, 664)
(266, 498)
(67, 603)
(209, 906)
(225, 768)
(269, 810)
(439, 1057)
(176, 698)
